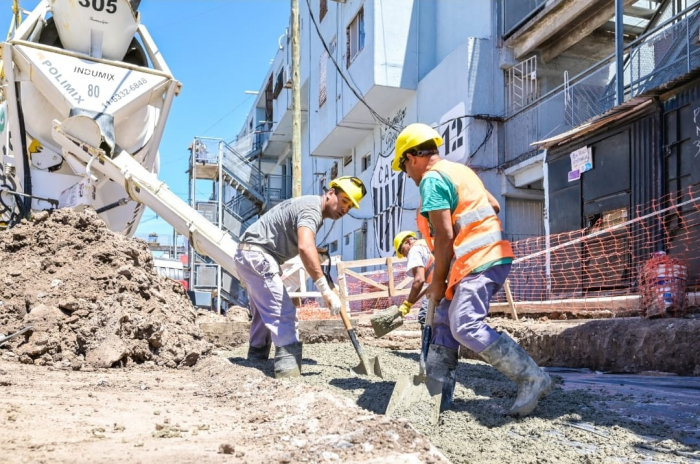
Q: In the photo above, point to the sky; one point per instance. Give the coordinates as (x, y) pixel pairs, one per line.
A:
(217, 49)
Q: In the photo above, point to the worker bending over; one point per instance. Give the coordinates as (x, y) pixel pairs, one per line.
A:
(280, 234)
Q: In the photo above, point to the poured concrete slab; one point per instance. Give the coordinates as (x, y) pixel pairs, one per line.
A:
(236, 333)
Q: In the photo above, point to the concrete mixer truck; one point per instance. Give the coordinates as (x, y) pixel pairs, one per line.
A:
(85, 98)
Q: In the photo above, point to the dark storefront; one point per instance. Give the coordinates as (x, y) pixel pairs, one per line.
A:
(645, 156)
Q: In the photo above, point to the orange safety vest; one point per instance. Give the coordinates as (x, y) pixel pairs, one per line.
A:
(479, 236)
(431, 261)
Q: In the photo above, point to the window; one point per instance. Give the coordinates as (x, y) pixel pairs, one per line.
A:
(521, 84)
(321, 185)
(346, 240)
(607, 219)
(347, 160)
(334, 246)
(355, 35)
(334, 171)
(278, 83)
(366, 162)
(322, 66)
(323, 9)
(516, 11)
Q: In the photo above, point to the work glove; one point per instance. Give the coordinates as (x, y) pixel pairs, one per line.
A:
(405, 308)
(329, 296)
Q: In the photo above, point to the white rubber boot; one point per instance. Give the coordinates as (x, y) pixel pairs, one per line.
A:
(512, 360)
(288, 360)
(441, 364)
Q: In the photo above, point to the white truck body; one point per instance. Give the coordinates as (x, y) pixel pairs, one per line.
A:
(86, 97)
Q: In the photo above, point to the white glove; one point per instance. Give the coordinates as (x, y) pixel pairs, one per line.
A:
(329, 296)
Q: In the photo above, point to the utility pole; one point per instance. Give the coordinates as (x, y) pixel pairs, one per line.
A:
(296, 104)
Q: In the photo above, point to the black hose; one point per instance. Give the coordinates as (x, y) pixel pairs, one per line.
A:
(121, 202)
(9, 187)
(27, 201)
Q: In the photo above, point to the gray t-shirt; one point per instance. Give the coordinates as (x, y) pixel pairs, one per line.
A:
(276, 230)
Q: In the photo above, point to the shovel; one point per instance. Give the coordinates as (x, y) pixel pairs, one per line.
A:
(4, 339)
(366, 366)
(418, 394)
(389, 319)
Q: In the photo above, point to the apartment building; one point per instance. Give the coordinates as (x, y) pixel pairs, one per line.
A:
(495, 77)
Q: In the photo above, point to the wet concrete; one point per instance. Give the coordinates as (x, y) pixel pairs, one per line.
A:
(586, 418)
(235, 333)
(626, 345)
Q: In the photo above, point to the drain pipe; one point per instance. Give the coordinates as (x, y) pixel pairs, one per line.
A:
(659, 171)
(619, 49)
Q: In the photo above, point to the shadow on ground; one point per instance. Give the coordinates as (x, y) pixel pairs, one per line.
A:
(267, 366)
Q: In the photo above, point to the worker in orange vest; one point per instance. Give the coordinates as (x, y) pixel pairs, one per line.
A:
(458, 216)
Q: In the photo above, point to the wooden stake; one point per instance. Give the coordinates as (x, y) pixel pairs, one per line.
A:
(509, 297)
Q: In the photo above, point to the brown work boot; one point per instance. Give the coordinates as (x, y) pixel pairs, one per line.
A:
(512, 360)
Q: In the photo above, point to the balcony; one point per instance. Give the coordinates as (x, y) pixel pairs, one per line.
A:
(377, 56)
(667, 55)
(555, 26)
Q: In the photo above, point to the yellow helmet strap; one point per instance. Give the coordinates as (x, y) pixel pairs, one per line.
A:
(416, 152)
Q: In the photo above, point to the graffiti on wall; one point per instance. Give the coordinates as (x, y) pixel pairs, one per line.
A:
(388, 186)
(387, 191)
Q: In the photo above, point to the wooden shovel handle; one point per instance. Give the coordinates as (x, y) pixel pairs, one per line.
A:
(345, 318)
(430, 315)
(420, 295)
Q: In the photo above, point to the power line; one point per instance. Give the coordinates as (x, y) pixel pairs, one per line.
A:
(226, 115)
(379, 118)
(489, 131)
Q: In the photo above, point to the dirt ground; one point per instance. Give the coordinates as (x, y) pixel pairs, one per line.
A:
(226, 404)
(104, 372)
(214, 412)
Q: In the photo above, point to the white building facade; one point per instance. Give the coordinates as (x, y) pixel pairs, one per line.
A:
(468, 68)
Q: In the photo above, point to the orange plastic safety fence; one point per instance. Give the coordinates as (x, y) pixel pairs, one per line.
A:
(643, 264)
(310, 309)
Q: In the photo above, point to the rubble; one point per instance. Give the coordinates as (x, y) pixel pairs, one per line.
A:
(92, 298)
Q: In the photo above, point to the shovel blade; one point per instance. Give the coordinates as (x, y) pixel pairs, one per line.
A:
(417, 398)
(369, 367)
(386, 321)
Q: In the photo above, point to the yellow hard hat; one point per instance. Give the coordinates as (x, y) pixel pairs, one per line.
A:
(352, 186)
(412, 136)
(400, 238)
